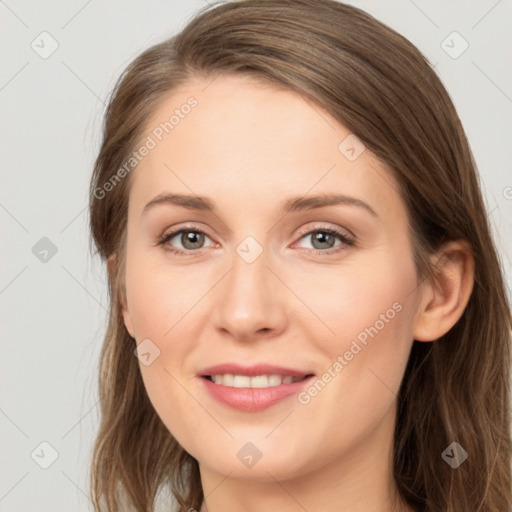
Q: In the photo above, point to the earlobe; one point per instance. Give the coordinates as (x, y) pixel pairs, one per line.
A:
(111, 267)
(444, 299)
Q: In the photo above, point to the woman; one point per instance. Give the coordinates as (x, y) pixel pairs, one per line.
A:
(300, 260)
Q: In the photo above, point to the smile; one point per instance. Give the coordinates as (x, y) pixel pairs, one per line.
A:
(258, 381)
(255, 388)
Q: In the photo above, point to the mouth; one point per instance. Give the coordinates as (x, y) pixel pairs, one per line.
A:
(257, 381)
(254, 388)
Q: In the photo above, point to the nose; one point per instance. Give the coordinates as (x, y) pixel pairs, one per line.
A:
(251, 301)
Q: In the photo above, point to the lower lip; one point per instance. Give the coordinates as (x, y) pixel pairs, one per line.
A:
(253, 399)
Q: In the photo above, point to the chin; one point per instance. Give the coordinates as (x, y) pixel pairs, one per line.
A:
(261, 461)
(268, 471)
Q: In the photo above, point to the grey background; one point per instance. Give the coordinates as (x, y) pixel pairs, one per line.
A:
(53, 312)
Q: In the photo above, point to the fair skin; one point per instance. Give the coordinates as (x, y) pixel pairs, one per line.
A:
(248, 148)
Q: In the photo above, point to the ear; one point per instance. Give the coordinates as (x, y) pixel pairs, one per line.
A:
(111, 267)
(443, 301)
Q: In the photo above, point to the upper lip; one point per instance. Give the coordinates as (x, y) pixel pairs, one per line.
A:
(251, 371)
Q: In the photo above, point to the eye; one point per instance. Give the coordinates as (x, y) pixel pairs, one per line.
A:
(190, 238)
(324, 239)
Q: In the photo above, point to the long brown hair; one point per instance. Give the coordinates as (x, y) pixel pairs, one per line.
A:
(377, 84)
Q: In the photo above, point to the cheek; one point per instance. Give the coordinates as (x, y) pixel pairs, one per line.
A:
(158, 297)
(371, 311)
(368, 365)
(359, 301)
(367, 310)
(161, 303)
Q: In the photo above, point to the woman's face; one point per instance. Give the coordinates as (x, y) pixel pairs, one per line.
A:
(296, 265)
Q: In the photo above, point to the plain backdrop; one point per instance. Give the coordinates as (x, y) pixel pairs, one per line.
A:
(53, 294)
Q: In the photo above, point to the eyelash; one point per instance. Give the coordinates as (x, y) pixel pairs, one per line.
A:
(346, 241)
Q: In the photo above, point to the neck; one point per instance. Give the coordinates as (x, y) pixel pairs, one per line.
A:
(360, 479)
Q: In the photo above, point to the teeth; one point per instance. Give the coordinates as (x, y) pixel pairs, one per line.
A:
(275, 380)
(228, 379)
(258, 381)
(242, 381)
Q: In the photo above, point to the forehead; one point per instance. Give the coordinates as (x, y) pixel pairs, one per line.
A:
(237, 135)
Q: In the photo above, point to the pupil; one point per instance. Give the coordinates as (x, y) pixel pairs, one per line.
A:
(188, 237)
(320, 236)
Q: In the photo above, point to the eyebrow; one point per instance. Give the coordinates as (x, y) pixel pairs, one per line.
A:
(292, 204)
